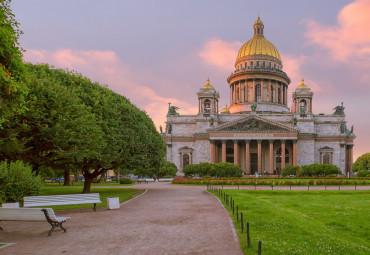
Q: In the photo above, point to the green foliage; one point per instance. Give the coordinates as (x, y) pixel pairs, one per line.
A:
(12, 72)
(289, 170)
(125, 181)
(362, 163)
(318, 170)
(363, 173)
(222, 169)
(17, 181)
(166, 169)
(74, 123)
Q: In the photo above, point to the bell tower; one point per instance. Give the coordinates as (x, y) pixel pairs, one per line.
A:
(302, 99)
(208, 101)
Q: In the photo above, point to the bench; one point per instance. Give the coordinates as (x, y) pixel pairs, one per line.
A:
(33, 214)
(72, 199)
(165, 179)
(146, 180)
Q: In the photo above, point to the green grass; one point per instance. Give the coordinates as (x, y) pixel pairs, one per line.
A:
(302, 222)
(55, 184)
(123, 194)
(2, 244)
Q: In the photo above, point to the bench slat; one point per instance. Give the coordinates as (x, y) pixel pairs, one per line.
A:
(61, 199)
(26, 214)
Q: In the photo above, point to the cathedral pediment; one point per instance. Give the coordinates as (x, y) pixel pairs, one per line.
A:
(253, 124)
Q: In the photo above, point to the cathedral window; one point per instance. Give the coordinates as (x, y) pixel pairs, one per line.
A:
(251, 63)
(302, 106)
(269, 65)
(279, 96)
(245, 65)
(263, 64)
(326, 158)
(257, 64)
(207, 105)
(185, 160)
(272, 94)
(258, 93)
(274, 66)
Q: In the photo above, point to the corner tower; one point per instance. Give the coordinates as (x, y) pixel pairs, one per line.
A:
(208, 100)
(258, 77)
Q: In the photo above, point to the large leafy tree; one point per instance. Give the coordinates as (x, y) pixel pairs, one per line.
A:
(12, 71)
(362, 163)
(126, 137)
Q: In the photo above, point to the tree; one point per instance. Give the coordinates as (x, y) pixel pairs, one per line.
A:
(12, 72)
(166, 169)
(362, 163)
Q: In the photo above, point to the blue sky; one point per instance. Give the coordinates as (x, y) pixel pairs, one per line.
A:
(155, 52)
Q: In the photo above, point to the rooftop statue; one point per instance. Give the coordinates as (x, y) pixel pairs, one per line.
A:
(172, 110)
(339, 110)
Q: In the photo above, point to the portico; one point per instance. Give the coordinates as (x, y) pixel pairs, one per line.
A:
(254, 144)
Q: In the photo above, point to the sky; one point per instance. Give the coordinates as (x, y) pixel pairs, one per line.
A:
(160, 51)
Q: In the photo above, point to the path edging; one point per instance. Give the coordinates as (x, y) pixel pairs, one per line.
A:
(134, 197)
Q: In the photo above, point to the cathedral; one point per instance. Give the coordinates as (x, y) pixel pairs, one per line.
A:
(258, 132)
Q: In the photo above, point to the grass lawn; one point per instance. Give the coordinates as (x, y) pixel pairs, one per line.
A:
(2, 244)
(305, 222)
(123, 194)
(55, 184)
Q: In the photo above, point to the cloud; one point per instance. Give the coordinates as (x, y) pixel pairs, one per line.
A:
(106, 68)
(349, 38)
(220, 53)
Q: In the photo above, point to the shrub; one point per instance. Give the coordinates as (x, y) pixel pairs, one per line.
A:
(17, 180)
(318, 170)
(205, 169)
(125, 181)
(290, 170)
(363, 173)
(226, 169)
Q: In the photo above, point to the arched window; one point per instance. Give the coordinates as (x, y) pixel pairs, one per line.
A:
(258, 93)
(185, 160)
(207, 105)
(272, 94)
(302, 106)
(326, 158)
(279, 96)
(237, 95)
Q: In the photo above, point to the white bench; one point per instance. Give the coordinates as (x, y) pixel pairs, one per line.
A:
(146, 180)
(33, 214)
(165, 179)
(72, 199)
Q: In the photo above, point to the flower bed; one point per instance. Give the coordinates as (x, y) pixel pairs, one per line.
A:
(272, 181)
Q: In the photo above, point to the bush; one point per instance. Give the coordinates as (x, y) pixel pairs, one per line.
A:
(125, 181)
(17, 180)
(219, 169)
(363, 173)
(290, 170)
(318, 170)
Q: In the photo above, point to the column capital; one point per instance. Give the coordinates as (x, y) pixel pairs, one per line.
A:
(271, 141)
(259, 141)
(294, 141)
(224, 141)
(247, 141)
(212, 141)
(235, 141)
(283, 141)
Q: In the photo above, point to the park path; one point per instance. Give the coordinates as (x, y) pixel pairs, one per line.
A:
(167, 219)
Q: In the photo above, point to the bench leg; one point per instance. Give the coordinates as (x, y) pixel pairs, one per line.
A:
(55, 225)
(1, 228)
(95, 207)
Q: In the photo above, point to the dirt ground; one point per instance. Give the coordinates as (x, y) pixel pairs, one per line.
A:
(167, 219)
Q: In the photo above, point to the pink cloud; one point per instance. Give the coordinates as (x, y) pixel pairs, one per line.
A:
(220, 53)
(106, 68)
(349, 39)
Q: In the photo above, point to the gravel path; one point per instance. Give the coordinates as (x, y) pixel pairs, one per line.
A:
(168, 219)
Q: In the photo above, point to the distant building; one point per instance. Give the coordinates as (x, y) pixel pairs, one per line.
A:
(258, 131)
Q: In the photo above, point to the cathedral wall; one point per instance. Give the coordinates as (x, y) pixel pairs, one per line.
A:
(201, 127)
(306, 127)
(337, 153)
(183, 129)
(173, 154)
(305, 152)
(327, 129)
(201, 151)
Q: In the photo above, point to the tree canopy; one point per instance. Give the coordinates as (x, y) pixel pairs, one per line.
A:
(362, 163)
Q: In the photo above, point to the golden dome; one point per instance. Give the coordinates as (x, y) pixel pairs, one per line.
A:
(302, 86)
(258, 45)
(208, 85)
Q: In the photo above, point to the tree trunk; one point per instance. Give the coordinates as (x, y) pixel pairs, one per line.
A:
(117, 173)
(87, 184)
(66, 177)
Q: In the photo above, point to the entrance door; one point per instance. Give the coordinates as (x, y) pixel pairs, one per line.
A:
(254, 163)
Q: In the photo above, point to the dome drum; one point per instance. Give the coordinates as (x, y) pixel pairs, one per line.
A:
(265, 107)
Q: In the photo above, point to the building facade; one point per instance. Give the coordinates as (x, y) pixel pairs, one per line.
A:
(258, 132)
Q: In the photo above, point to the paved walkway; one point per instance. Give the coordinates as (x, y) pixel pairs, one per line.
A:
(168, 219)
